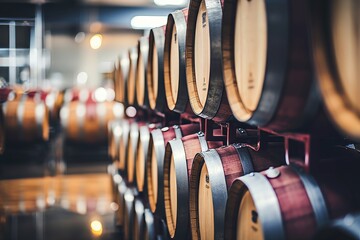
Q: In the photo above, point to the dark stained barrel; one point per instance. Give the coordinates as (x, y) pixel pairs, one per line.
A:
(177, 96)
(268, 70)
(26, 120)
(212, 174)
(205, 84)
(131, 81)
(347, 228)
(155, 160)
(121, 75)
(336, 57)
(179, 154)
(155, 69)
(141, 72)
(297, 204)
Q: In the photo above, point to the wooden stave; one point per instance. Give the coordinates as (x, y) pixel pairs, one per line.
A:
(213, 160)
(277, 116)
(121, 74)
(181, 149)
(143, 52)
(37, 123)
(156, 38)
(327, 75)
(158, 140)
(338, 201)
(346, 228)
(83, 130)
(131, 80)
(218, 109)
(123, 146)
(142, 146)
(114, 139)
(181, 105)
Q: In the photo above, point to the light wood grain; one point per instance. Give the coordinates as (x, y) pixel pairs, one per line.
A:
(154, 181)
(155, 73)
(202, 54)
(345, 28)
(140, 162)
(247, 228)
(173, 191)
(250, 50)
(206, 207)
(174, 64)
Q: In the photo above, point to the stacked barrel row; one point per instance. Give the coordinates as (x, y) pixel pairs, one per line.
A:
(282, 66)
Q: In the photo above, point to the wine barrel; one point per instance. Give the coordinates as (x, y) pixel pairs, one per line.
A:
(123, 146)
(347, 228)
(155, 160)
(26, 120)
(203, 38)
(179, 154)
(297, 204)
(141, 69)
(177, 96)
(141, 156)
(131, 81)
(87, 122)
(155, 69)
(121, 75)
(129, 200)
(138, 226)
(268, 72)
(121, 190)
(336, 56)
(7, 94)
(212, 174)
(115, 134)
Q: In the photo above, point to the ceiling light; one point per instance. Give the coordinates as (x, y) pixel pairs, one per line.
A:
(144, 22)
(96, 41)
(171, 3)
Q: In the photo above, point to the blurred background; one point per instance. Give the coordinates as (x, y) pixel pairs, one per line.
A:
(56, 189)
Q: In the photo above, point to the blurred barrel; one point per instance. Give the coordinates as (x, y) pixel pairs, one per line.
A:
(141, 69)
(155, 69)
(26, 120)
(212, 174)
(347, 228)
(52, 98)
(203, 40)
(130, 87)
(123, 145)
(121, 75)
(297, 204)
(141, 156)
(155, 160)
(121, 190)
(115, 133)
(178, 161)
(268, 70)
(87, 122)
(129, 200)
(337, 56)
(177, 96)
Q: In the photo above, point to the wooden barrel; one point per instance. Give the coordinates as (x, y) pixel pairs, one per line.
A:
(177, 96)
(7, 94)
(26, 120)
(87, 122)
(129, 200)
(336, 56)
(268, 70)
(203, 39)
(347, 228)
(297, 204)
(141, 156)
(155, 69)
(179, 154)
(121, 190)
(155, 160)
(141, 69)
(123, 145)
(121, 75)
(212, 174)
(115, 134)
(131, 81)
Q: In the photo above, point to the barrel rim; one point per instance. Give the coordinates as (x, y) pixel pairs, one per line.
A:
(179, 105)
(341, 114)
(157, 39)
(133, 58)
(143, 145)
(216, 89)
